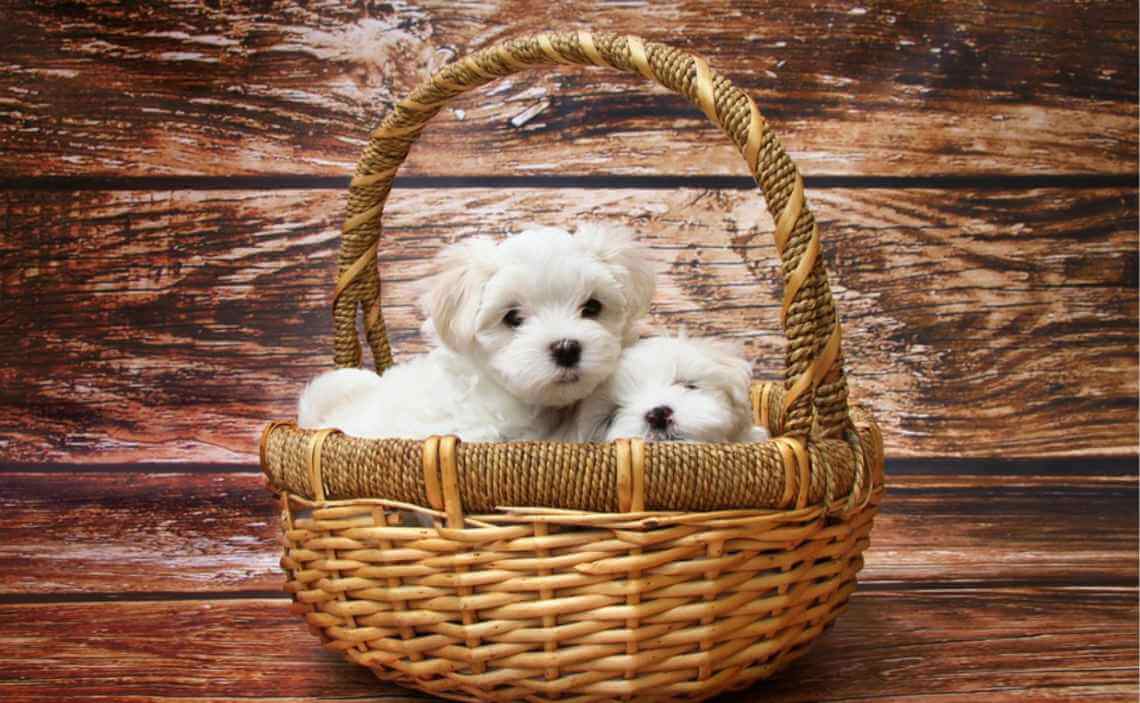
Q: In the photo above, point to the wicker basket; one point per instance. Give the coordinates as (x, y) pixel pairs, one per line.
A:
(663, 571)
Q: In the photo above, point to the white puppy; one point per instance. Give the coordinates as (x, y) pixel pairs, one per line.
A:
(526, 328)
(672, 389)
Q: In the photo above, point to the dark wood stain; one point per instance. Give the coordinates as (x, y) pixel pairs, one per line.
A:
(172, 181)
(253, 88)
(218, 533)
(150, 326)
(985, 644)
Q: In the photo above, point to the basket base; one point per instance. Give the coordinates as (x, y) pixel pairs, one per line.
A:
(676, 608)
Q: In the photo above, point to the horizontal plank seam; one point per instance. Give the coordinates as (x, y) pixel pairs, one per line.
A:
(1107, 586)
(972, 181)
(128, 468)
(1058, 467)
(959, 694)
(136, 596)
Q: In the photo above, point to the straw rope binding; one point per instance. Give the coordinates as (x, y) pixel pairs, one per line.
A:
(583, 572)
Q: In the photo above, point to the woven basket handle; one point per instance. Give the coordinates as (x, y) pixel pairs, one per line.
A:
(813, 374)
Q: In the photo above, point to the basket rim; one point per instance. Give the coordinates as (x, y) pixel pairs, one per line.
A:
(445, 474)
(646, 519)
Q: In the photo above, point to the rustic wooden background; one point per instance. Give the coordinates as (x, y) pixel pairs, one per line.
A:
(173, 179)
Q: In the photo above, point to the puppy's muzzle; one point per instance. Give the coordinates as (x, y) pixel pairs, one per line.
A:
(660, 417)
(566, 352)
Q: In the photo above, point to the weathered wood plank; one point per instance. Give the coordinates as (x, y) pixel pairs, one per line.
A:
(978, 644)
(997, 645)
(137, 533)
(252, 88)
(132, 533)
(143, 326)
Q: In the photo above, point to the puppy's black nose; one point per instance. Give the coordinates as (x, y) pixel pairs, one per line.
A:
(566, 352)
(659, 417)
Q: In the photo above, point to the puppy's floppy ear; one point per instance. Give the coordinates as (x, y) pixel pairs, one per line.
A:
(738, 377)
(629, 262)
(452, 296)
(734, 371)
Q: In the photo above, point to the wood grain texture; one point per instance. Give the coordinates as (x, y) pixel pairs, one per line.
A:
(134, 533)
(254, 87)
(138, 533)
(146, 326)
(998, 645)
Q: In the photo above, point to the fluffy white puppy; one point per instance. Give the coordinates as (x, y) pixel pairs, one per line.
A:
(672, 389)
(526, 327)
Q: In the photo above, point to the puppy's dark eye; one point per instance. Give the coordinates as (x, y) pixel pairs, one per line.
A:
(688, 385)
(592, 308)
(512, 318)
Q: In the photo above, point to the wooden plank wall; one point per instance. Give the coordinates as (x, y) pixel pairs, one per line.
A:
(173, 184)
(173, 179)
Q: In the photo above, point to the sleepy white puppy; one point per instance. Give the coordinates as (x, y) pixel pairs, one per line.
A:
(672, 389)
(526, 328)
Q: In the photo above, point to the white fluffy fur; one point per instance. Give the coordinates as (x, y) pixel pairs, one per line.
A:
(704, 383)
(488, 381)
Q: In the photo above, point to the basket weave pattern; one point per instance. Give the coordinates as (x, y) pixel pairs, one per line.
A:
(664, 571)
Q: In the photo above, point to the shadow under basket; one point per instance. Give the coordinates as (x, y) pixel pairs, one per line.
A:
(545, 571)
